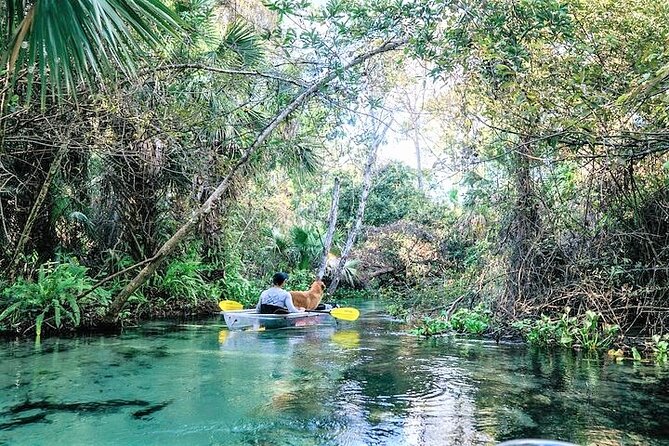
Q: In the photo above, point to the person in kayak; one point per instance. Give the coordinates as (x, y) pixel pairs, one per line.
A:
(276, 300)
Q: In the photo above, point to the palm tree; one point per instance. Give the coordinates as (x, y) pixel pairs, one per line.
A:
(64, 44)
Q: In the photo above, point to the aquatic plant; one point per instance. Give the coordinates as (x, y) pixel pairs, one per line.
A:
(656, 350)
(430, 326)
(660, 348)
(475, 321)
(589, 332)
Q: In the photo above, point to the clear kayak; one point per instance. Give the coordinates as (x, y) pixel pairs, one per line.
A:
(250, 320)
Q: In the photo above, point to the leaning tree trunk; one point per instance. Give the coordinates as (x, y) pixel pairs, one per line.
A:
(355, 229)
(37, 206)
(332, 224)
(173, 242)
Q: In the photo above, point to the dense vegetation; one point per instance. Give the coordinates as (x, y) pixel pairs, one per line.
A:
(170, 154)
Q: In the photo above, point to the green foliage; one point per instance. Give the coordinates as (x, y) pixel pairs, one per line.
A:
(51, 298)
(592, 335)
(656, 351)
(300, 279)
(300, 250)
(475, 321)
(236, 287)
(67, 42)
(588, 332)
(430, 326)
(241, 45)
(138, 304)
(198, 17)
(182, 280)
(545, 331)
(395, 196)
(660, 348)
(307, 246)
(350, 272)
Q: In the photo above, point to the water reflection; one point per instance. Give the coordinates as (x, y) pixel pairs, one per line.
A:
(361, 383)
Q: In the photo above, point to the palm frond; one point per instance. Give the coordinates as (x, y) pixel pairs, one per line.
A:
(307, 245)
(300, 157)
(241, 45)
(80, 41)
(349, 273)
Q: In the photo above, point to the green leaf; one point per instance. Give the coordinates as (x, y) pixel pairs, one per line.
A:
(65, 43)
(38, 324)
(10, 309)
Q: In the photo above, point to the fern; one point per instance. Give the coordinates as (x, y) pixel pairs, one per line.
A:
(52, 296)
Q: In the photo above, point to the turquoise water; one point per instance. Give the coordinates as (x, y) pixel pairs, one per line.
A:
(361, 383)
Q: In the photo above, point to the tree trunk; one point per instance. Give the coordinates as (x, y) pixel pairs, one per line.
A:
(332, 223)
(415, 104)
(524, 229)
(27, 229)
(173, 242)
(355, 229)
(419, 169)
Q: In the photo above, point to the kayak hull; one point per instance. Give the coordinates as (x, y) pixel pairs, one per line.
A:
(250, 320)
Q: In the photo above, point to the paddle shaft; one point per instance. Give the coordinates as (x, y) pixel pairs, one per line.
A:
(345, 313)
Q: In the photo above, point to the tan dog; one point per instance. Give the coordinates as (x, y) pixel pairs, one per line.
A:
(309, 299)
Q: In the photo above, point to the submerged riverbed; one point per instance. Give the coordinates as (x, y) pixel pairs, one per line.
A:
(361, 383)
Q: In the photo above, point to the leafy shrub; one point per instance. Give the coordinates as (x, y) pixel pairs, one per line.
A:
(431, 326)
(306, 246)
(349, 273)
(236, 287)
(589, 332)
(474, 321)
(52, 297)
(299, 279)
(182, 280)
(299, 249)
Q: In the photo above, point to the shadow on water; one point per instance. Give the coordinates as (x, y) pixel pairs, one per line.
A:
(45, 408)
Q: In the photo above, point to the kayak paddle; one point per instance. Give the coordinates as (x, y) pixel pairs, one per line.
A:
(343, 313)
(227, 305)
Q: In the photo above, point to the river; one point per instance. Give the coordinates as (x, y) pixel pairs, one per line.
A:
(360, 383)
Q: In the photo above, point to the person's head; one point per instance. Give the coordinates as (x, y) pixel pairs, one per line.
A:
(279, 278)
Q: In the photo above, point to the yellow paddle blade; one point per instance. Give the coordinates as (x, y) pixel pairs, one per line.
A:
(227, 305)
(222, 336)
(346, 338)
(345, 313)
